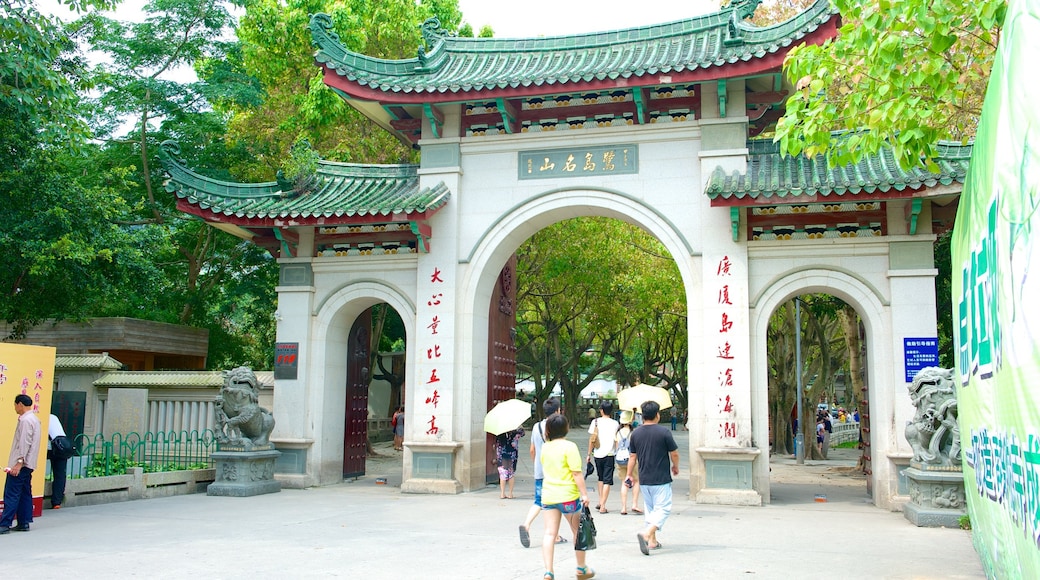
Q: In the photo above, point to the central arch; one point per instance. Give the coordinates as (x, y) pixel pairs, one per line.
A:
(502, 238)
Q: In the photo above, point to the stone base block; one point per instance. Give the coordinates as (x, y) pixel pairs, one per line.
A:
(931, 518)
(936, 497)
(442, 486)
(729, 497)
(244, 473)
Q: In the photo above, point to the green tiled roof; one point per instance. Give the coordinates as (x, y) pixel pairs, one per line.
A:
(172, 379)
(345, 190)
(86, 361)
(769, 175)
(455, 65)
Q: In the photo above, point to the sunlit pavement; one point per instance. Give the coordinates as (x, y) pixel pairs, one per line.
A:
(365, 529)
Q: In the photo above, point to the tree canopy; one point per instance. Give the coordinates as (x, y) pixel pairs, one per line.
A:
(903, 74)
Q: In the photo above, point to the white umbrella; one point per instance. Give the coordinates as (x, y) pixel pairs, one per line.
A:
(633, 397)
(506, 416)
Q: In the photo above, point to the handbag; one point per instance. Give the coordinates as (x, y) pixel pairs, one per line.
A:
(62, 448)
(589, 467)
(594, 438)
(586, 539)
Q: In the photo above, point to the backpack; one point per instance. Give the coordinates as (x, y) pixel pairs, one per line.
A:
(621, 456)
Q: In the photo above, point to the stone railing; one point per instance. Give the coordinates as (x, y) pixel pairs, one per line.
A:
(843, 432)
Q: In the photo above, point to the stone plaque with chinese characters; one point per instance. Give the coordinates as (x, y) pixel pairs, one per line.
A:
(579, 161)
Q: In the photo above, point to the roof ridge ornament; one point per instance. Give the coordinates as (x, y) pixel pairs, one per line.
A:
(171, 150)
(321, 25)
(742, 10)
(433, 35)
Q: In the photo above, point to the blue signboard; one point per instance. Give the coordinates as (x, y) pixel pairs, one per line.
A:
(920, 353)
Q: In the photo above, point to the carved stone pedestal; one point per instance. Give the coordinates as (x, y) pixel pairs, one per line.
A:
(244, 473)
(936, 496)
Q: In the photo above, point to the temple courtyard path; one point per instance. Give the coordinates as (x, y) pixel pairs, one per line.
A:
(366, 529)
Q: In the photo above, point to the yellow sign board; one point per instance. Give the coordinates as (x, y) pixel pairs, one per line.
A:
(26, 370)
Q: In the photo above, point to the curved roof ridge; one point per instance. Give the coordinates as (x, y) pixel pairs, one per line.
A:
(169, 154)
(769, 175)
(455, 64)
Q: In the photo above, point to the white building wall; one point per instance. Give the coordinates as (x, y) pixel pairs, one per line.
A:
(492, 212)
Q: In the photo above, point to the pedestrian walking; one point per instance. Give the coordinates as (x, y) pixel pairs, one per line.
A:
(550, 407)
(602, 432)
(506, 454)
(656, 456)
(563, 493)
(622, 455)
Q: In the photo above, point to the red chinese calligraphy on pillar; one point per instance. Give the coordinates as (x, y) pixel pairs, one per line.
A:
(435, 398)
(433, 430)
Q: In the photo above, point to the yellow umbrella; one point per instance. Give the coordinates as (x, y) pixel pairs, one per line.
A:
(506, 416)
(633, 397)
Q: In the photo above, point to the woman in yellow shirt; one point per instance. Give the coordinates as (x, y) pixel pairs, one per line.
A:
(563, 492)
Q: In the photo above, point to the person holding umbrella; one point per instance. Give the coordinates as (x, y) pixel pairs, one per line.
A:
(506, 455)
(504, 422)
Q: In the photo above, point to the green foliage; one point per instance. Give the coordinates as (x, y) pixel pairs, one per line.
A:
(102, 465)
(964, 522)
(276, 48)
(61, 250)
(40, 72)
(593, 292)
(944, 298)
(905, 74)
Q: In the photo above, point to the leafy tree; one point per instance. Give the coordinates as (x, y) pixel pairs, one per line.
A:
(905, 74)
(204, 277)
(40, 71)
(592, 294)
(61, 251)
(277, 49)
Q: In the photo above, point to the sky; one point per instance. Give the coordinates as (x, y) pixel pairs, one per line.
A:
(526, 19)
(560, 17)
(530, 18)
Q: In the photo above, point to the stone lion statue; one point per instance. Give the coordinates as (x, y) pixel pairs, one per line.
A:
(933, 433)
(240, 418)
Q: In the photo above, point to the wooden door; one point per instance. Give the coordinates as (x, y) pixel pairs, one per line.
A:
(501, 351)
(355, 429)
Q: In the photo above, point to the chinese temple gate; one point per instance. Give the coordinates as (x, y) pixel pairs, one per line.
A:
(648, 125)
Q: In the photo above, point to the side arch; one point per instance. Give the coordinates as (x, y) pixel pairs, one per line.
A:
(873, 311)
(332, 323)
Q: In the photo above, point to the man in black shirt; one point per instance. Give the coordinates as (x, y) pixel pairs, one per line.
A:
(653, 451)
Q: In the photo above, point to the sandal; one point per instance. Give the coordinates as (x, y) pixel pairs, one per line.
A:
(585, 573)
(624, 513)
(525, 537)
(637, 511)
(604, 511)
(561, 540)
(548, 576)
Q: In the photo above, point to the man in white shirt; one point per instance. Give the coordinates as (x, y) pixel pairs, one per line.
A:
(59, 460)
(605, 428)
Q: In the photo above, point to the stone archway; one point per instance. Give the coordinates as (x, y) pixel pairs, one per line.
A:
(855, 291)
(500, 241)
(325, 394)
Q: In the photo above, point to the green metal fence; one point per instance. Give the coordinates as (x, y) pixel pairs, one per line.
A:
(158, 451)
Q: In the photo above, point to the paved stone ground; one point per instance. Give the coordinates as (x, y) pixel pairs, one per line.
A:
(363, 529)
